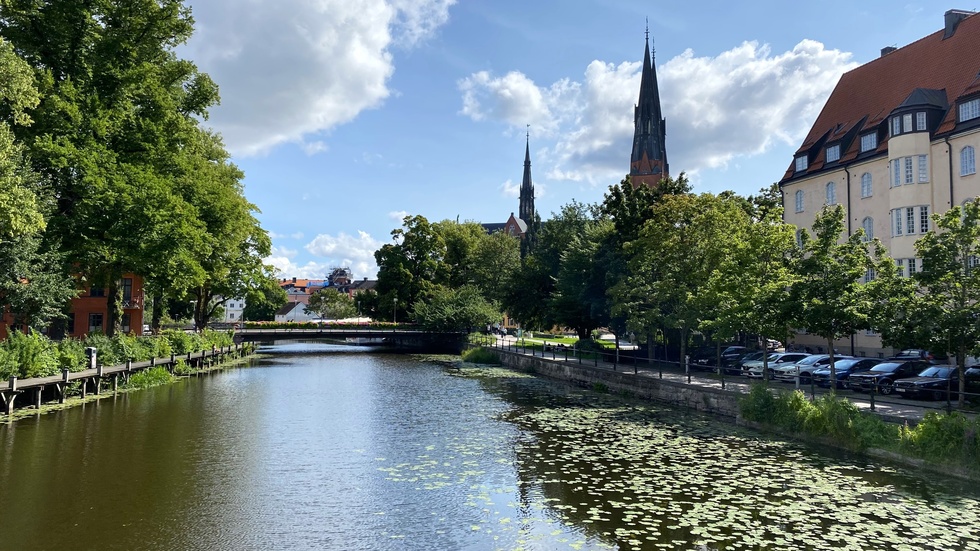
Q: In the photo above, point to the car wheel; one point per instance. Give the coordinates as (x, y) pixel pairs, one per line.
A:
(885, 387)
(938, 395)
(804, 379)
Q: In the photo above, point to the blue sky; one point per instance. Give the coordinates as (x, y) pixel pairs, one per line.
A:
(347, 115)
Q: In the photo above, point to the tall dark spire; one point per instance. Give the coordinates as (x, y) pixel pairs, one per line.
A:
(526, 210)
(648, 162)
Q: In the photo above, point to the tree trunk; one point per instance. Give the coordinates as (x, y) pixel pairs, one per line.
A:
(961, 371)
(718, 355)
(833, 368)
(683, 357)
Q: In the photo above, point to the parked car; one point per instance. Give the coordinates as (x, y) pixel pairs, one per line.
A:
(731, 354)
(932, 382)
(883, 375)
(844, 368)
(753, 369)
(917, 354)
(736, 367)
(804, 368)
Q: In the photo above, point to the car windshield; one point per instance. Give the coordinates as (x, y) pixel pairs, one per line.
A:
(843, 364)
(937, 372)
(774, 356)
(810, 360)
(885, 368)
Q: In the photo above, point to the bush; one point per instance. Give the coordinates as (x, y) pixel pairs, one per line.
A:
(107, 350)
(149, 377)
(27, 355)
(481, 356)
(71, 355)
(944, 438)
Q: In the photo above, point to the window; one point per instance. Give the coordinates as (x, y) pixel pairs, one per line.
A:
(920, 121)
(905, 220)
(970, 110)
(912, 265)
(870, 275)
(799, 238)
(909, 219)
(125, 323)
(897, 222)
(896, 126)
(868, 224)
(831, 193)
(900, 264)
(923, 219)
(96, 292)
(866, 184)
(801, 163)
(127, 292)
(95, 323)
(896, 173)
(869, 142)
(908, 170)
(907, 122)
(231, 316)
(833, 153)
(968, 161)
(923, 169)
(799, 200)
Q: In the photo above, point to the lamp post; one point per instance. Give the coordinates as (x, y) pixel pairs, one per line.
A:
(394, 311)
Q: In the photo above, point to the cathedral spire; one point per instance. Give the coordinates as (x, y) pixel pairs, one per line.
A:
(648, 162)
(526, 210)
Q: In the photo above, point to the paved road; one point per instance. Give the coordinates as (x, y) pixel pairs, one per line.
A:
(888, 407)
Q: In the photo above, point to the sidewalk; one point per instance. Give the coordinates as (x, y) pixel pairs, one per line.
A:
(889, 408)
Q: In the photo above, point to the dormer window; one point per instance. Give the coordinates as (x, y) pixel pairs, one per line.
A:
(869, 142)
(833, 153)
(909, 122)
(801, 163)
(920, 121)
(970, 110)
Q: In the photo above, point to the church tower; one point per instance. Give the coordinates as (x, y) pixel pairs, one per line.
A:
(526, 208)
(648, 163)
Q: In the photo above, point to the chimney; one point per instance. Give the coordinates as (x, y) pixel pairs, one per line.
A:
(953, 18)
(294, 280)
(887, 50)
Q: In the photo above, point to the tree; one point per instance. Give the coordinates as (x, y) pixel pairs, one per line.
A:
(409, 268)
(947, 301)
(581, 300)
(751, 285)
(495, 255)
(673, 259)
(265, 298)
(830, 299)
(455, 309)
(328, 303)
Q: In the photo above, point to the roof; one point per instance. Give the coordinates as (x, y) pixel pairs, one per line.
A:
(931, 71)
(364, 285)
(287, 308)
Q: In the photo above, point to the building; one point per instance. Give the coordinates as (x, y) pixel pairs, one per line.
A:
(895, 143)
(518, 225)
(648, 160)
(234, 310)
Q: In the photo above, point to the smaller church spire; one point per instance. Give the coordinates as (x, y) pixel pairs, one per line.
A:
(526, 211)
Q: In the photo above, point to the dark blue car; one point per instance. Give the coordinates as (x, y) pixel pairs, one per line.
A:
(844, 368)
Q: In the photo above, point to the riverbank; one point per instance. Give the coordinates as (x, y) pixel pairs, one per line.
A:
(180, 370)
(845, 428)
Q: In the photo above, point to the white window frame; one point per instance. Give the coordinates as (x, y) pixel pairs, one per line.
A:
(900, 264)
(896, 126)
(896, 173)
(870, 275)
(913, 266)
(968, 161)
(923, 169)
(869, 142)
(907, 122)
(868, 225)
(866, 185)
(833, 153)
(896, 216)
(909, 174)
(801, 163)
(924, 219)
(799, 238)
(909, 220)
(920, 121)
(831, 190)
(970, 110)
(799, 200)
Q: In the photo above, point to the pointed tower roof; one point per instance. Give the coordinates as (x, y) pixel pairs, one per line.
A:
(648, 162)
(526, 210)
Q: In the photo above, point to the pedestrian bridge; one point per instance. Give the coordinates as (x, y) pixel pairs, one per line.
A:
(413, 339)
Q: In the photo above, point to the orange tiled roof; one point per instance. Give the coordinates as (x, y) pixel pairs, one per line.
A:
(871, 91)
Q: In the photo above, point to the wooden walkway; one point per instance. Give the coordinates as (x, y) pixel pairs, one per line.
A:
(92, 379)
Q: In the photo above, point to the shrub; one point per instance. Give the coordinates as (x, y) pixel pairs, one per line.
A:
(27, 355)
(71, 355)
(182, 368)
(943, 438)
(481, 356)
(150, 377)
(107, 349)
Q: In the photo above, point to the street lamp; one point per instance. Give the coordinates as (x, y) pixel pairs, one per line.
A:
(394, 311)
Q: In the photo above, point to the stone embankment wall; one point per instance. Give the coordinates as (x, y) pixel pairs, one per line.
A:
(708, 400)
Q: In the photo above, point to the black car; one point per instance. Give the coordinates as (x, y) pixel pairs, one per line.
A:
(933, 382)
(883, 375)
(845, 368)
(732, 354)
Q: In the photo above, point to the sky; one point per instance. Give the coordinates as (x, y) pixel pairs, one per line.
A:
(348, 115)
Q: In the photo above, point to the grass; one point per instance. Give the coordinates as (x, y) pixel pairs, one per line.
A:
(481, 356)
(150, 377)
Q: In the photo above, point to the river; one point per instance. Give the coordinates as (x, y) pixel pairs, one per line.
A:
(320, 446)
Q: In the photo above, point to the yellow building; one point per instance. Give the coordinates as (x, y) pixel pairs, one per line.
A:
(896, 142)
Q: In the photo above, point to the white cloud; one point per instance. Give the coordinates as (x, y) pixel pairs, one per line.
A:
(738, 103)
(398, 215)
(290, 70)
(510, 189)
(295, 235)
(346, 250)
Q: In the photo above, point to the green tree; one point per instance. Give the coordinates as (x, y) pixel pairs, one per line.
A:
(495, 255)
(455, 309)
(265, 298)
(409, 268)
(947, 301)
(831, 300)
(328, 303)
(581, 300)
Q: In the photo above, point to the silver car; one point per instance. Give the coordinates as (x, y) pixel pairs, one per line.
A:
(753, 369)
